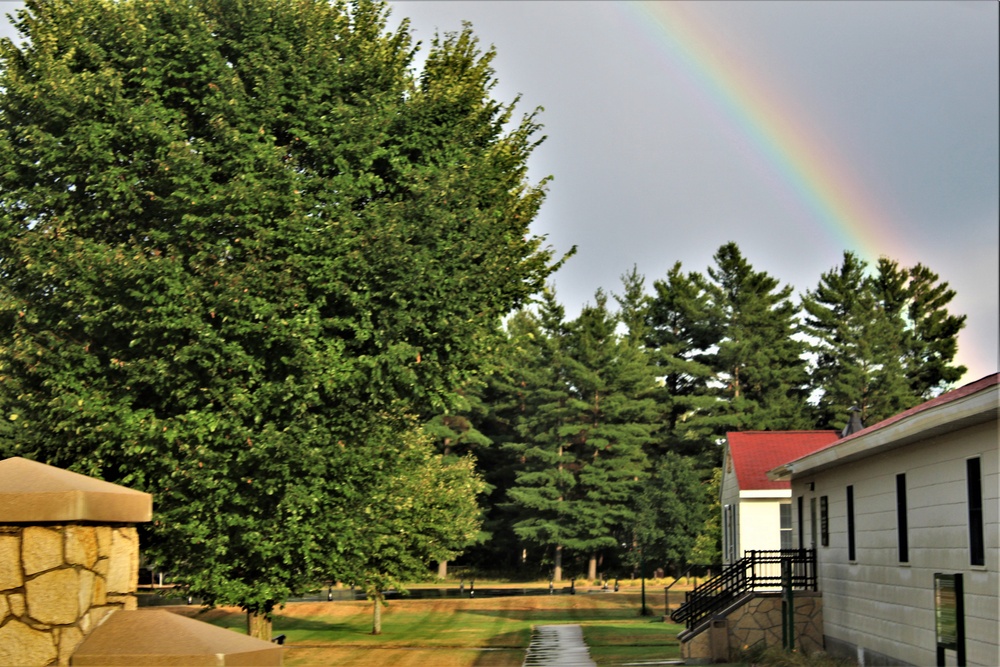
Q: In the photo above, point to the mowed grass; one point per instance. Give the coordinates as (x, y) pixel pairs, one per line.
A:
(485, 632)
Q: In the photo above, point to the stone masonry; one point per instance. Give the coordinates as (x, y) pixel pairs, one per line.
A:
(69, 555)
(756, 620)
(39, 623)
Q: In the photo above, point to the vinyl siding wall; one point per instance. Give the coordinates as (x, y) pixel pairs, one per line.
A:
(882, 606)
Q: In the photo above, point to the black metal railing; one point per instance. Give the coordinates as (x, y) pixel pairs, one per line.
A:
(756, 571)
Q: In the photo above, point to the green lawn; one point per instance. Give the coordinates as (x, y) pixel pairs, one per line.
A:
(488, 632)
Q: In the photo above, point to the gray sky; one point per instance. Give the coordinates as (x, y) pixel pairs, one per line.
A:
(797, 130)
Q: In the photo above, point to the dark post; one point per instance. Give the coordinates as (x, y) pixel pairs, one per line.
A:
(642, 573)
(551, 587)
(787, 606)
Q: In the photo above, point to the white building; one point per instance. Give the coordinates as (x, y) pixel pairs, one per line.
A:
(757, 511)
(894, 507)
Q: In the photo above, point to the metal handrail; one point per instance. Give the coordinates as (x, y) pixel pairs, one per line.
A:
(757, 570)
(666, 590)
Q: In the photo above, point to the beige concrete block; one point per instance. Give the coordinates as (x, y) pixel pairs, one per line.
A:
(53, 597)
(101, 566)
(16, 601)
(4, 609)
(20, 644)
(10, 562)
(69, 639)
(81, 546)
(123, 564)
(32, 492)
(41, 549)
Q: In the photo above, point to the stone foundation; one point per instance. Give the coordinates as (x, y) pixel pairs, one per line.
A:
(57, 581)
(755, 620)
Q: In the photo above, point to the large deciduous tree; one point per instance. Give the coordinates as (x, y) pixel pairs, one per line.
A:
(233, 236)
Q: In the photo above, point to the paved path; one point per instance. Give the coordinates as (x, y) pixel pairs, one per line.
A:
(557, 646)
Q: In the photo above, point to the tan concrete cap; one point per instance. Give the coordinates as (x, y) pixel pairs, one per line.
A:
(32, 492)
(158, 637)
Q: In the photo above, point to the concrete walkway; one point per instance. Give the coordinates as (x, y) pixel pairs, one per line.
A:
(557, 646)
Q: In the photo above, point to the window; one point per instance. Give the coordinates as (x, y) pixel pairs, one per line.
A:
(824, 521)
(802, 525)
(977, 555)
(812, 523)
(902, 531)
(729, 527)
(851, 552)
(786, 525)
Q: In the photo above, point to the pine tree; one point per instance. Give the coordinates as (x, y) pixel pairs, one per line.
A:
(680, 332)
(611, 424)
(884, 342)
(933, 335)
(541, 494)
(758, 359)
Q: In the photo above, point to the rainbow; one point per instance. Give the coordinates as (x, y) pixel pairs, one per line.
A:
(808, 170)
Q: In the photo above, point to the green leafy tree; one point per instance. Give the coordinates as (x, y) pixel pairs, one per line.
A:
(455, 434)
(671, 510)
(234, 236)
(707, 549)
(422, 508)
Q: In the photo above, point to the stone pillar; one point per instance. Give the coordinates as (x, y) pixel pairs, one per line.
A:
(69, 554)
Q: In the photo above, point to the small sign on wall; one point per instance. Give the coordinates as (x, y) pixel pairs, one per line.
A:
(949, 616)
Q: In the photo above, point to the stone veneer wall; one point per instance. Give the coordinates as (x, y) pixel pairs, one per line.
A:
(759, 620)
(57, 581)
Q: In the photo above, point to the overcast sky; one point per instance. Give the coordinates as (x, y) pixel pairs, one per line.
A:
(797, 130)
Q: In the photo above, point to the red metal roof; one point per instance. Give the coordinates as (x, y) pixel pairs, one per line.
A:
(756, 452)
(954, 395)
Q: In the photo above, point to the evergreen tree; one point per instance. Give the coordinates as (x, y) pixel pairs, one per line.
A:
(237, 241)
(611, 423)
(541, 494)
(671, 512)
(884, 342)
(680, 333)
(932, 340)
(758, 360)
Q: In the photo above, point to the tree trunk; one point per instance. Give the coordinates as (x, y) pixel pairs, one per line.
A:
(377, 614)
(443, 570)
(259, 625)
(557, 574)
(592, 567)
